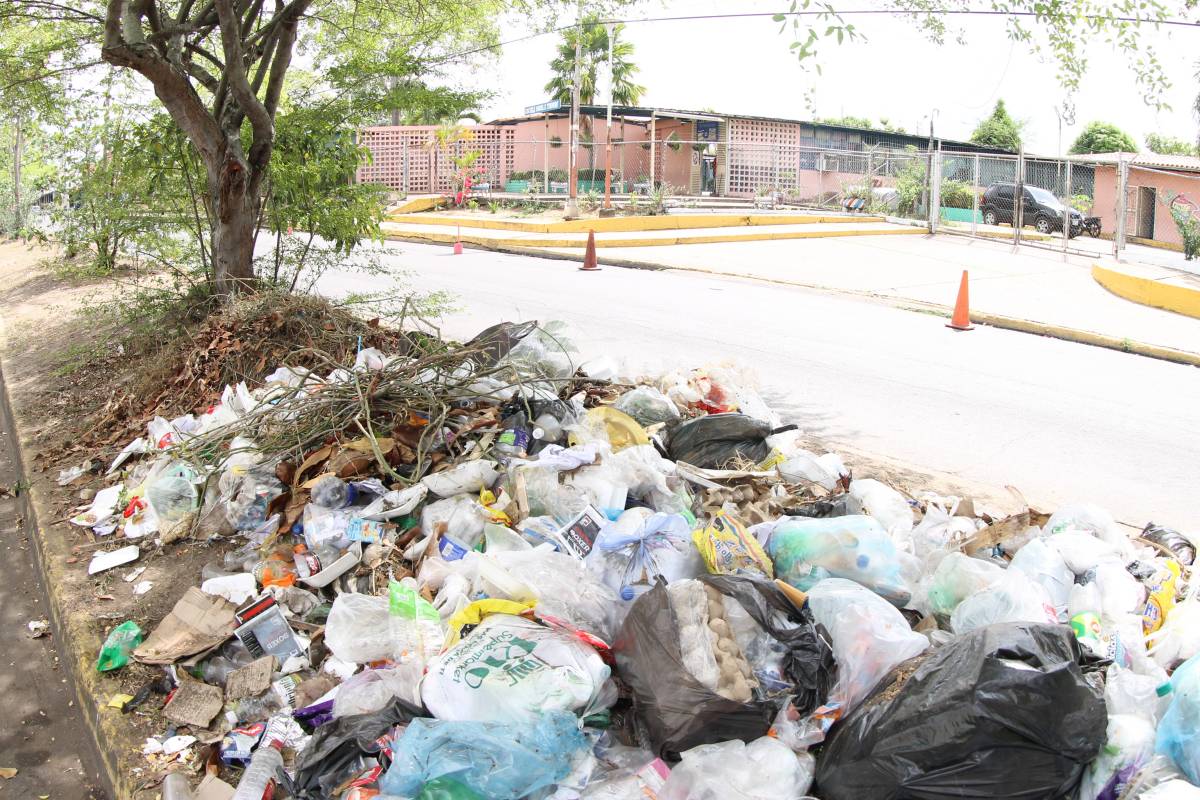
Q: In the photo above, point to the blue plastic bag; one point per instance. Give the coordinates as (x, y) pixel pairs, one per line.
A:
(500, 761)
(632, 553)
(1179, 732)
(856, 547)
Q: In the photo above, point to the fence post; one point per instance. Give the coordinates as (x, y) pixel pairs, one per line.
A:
(975, 199)
(1067, 212)
(1122, 189)
(935, 189)
(653, 146)
(728, 157)
(407, 185)
(1019, 197)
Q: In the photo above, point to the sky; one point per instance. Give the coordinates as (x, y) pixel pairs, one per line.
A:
(744, 66)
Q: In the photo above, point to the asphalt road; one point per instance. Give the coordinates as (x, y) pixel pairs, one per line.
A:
(1062, 422)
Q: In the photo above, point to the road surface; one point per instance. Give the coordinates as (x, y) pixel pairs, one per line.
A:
(1062, 422)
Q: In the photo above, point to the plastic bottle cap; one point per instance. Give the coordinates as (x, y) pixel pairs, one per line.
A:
(538, 433)
(1163, 689)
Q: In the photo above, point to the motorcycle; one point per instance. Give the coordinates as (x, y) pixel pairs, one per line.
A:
(1091, 226)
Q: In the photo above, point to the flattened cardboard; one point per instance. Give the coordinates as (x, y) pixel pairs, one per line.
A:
(194, 703)
(250, 680)
(198, 622)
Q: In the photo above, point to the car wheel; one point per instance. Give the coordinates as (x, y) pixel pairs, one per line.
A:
(989, 217)
(1043, 225)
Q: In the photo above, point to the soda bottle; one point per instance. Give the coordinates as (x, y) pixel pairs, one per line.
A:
(333, 492)
(310, 562)
(514, 440)
(258, 781)
(275, 570)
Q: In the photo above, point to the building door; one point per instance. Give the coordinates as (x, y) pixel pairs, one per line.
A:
(708, 174)
(1145, 218)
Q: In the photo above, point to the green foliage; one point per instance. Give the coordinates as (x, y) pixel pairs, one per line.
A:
(957, 194)
(673, 141)
(594, 64)
(1188, 226)
(1169, 145)
(910, 184)
(850, 121)
(1081, 203)
(1103, 137)
(999, 129)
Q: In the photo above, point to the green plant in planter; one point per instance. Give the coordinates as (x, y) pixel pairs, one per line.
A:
(1189, 228)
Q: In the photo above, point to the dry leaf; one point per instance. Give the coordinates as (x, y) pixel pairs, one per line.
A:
(8, 772)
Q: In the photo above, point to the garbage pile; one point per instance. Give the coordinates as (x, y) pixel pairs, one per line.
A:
(483, 571)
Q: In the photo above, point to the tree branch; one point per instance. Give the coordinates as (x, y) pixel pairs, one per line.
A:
(235, 74)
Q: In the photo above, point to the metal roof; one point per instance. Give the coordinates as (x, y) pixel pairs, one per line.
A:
(1150, 160)
(677, 113)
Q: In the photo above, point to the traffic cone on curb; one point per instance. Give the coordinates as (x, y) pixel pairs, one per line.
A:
(458, 241)
(961, 321)
(589, 255)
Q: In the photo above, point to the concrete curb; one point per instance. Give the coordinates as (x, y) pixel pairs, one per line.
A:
(1062, 332)
(632, 224)
(492, 242)
(1148, 291)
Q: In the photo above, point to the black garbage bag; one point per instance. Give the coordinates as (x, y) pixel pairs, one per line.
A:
(1002, 711)
(339, 745)
(715, 440)
(679, 712)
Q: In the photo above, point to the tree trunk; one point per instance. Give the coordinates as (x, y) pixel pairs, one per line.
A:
(18, 154)
(235, 206)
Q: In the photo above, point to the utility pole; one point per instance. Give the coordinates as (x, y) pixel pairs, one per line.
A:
(612, 86)
(572, 210)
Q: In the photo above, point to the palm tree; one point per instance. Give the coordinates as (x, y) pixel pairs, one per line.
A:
(593, 56)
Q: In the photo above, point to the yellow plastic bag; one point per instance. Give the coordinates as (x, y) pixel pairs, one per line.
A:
(475, 613)
(729, 549)
(1162, 597)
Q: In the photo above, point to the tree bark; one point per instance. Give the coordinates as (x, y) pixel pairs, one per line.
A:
(235, 213)
(18, 155)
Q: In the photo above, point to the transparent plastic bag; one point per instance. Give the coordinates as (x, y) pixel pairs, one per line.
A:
(647, 405)
(1179, 732)
(563, 588)
(374, 689)
(870, 637)
(764, 769)
(956, 578)
(1046, 566)
(884, 504)
(358, 629)
(1015, 597)
(805, 467)
(1091, 519)
(632, 553)
(545, 352)
(806, 551)
(498, 760)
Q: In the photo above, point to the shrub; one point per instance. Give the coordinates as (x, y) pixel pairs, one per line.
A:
(957, 194)
(1189, 229)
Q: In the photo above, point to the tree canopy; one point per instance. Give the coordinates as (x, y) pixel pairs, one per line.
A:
(851, 121)
(1103, 137)
(1169, 145)
(999, 129)
(594, 64)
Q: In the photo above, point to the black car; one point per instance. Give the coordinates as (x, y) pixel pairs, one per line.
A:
(1041, 209)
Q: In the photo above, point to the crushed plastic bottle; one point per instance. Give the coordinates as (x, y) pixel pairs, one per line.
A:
(330, 491)
(258, 781)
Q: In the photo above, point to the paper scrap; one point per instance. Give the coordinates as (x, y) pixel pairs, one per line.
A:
(213, 788)
(194, 703)
(177, 744)
(102, 509)
(8, 772)
(119, 701)
(142, 587)
(133, 576)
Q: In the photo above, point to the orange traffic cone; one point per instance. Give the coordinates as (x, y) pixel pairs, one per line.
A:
(589, 255)
(961, 321)
(458, 241)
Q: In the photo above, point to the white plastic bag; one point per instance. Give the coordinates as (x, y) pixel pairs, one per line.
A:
(805, 467)
(764, 769)
(1046, 566)
(1014, 598)
(1081, 550)
(510, 669)
(870, 637)
(372, 689)
(466, 478)
(884, 504)
(630, 554)
(358, 629)
(956, 578)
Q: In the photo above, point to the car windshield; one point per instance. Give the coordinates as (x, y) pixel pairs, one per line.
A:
(1044, 197)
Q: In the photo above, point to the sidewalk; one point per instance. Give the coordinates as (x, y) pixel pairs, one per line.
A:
(1032, 284)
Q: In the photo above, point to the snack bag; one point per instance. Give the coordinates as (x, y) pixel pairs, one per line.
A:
(729, 549)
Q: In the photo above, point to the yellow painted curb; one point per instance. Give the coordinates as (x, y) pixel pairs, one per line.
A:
(1149, 292)
(659, 241)
(419, 204)
(1178, 248)
(626, 224)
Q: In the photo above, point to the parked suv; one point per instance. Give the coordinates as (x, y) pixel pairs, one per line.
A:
(1041, 209)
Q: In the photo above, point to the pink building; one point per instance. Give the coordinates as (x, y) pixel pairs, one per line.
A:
(1155, 182)
(692, 152)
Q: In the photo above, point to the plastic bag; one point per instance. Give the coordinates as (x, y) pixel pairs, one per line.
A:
(622, 773)
(118, 646)
(630, 554)
(358, 629)
(1013, 598)
(728, 549)
(546, 352)
(678, 710)
(1003, 711)
(374, 689)
(1133, 712)
(1179, 732)
(511, 669)
(416, 630)
(500, 761)
(563, 588)
(1082, 551)
(805, 467)
(764, 769)
(1045, 565)
(717, 440)
(344, 741)
(647, 405)
(806, 551)
(884, 504)
(956, 578)
(1092, 519)
(466, 478)
(870, 637)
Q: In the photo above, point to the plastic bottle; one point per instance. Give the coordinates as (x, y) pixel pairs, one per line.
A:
(333, 492)
(550, 427)
(275, 570)
(514, 440)
(310, 562)
(259, 777)
(175, 787)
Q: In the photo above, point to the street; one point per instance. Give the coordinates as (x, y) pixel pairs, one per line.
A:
(1061, 422)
